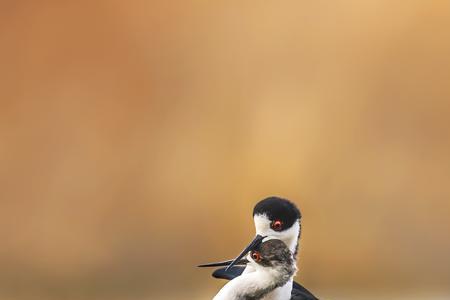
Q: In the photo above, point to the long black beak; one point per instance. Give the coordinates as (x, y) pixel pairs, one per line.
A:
(216, 264)
(223, 263)
(255, 243)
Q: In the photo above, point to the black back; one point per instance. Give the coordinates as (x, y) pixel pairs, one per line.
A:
(232, 272)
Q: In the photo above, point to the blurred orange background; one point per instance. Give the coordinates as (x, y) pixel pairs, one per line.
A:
(136, 136)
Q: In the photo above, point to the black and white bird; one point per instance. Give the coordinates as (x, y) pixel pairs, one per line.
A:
(273, 266)
(274, 218)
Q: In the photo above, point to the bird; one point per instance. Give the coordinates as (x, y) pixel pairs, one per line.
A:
(274, 218)
(273, 265)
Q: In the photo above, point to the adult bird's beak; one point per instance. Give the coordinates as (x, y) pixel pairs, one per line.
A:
(238, 260)
(255, 243)
(216, 264)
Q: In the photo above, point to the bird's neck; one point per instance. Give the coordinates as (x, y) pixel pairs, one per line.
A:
(254, 285)
(292, 239)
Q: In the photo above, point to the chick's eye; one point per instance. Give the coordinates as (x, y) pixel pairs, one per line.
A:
(256, 256)
(277, 225)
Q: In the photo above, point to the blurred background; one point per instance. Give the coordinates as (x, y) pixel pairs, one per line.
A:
(136, 137)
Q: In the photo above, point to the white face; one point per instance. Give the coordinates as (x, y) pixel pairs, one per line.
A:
(288, 236)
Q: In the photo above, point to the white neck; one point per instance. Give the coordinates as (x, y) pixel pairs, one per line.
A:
(292, 237)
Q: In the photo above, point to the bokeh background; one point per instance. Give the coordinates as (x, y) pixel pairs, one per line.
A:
(136, 136)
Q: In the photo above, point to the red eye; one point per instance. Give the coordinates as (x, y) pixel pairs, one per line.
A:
(277, 225)
(256, 256)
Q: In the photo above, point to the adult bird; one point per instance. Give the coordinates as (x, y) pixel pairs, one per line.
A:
(274, 218)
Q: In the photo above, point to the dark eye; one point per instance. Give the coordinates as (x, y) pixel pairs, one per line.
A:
(277, 225)
(256, 256)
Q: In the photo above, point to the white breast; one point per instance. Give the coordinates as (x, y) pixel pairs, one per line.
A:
(253, 281)
(281, 293)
